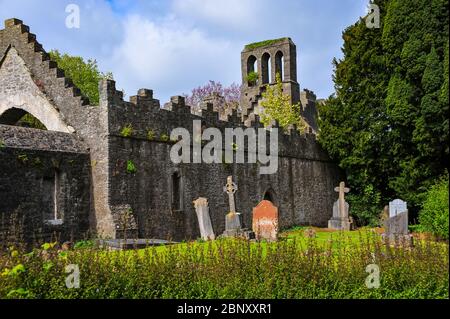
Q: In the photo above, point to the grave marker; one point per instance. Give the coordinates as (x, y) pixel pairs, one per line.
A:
(204, 219)
(340, 219)
(265, 221)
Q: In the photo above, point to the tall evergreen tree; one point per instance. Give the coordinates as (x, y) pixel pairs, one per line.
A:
(386, 124)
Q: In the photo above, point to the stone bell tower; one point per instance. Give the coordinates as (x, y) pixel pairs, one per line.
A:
(260, 62)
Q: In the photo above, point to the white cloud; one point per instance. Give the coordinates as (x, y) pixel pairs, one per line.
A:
(169, 57)
(173, 46)
(99, 29)
(236, 14)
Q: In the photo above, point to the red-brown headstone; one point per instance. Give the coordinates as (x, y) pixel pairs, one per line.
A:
(265, 221)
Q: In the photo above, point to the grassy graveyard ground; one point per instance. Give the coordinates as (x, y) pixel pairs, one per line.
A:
(304, 236)
(305, 263)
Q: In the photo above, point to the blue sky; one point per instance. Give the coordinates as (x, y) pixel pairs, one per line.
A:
(172, 46)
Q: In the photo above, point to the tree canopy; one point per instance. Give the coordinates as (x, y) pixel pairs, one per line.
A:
(84, 74)
(387, 123)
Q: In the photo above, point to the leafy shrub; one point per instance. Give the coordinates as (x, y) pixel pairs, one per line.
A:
(366, 206)
(278, 107)
(434, 216)
(84, 244)
(30, 121)
(416, 228)
(252, 78)
(84, 74)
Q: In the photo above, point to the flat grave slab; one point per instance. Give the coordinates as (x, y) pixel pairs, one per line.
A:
(127, 244)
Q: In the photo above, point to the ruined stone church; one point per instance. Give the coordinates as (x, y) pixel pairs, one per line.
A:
(83, 177)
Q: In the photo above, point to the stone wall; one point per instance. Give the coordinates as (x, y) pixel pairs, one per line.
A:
(302, 188)
(31, 82)
(38, 168)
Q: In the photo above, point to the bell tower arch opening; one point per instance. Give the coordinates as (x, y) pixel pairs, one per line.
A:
(279, 65)
(252, 71)
(266, 68)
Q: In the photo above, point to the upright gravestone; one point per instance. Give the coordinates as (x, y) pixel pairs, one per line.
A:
(204, 219)
(396, 226)
(340, 219)
(265, 221)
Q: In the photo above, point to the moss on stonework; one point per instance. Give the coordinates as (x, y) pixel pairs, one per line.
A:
(260, 44)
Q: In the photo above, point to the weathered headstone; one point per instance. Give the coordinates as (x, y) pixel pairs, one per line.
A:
(232, 222)
(397, 206)
(397, 225)
(340, 219)
(204, 219)
(396, 229)
(125, 221)
(265, 221)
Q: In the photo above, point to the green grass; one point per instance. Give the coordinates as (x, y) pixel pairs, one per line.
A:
(326, 265)
(322, 239)
(264, 43)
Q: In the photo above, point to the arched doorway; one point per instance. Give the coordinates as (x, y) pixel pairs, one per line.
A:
(19, 117)
(270, 196)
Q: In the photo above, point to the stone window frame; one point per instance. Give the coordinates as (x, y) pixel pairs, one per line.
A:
(180, 208)
(58, 218)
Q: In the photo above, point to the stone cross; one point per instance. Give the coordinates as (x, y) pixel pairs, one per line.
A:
(231, 188)
(342, 190)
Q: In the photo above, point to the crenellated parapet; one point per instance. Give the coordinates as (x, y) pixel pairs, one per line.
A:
(308, 101)
(142, 118)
